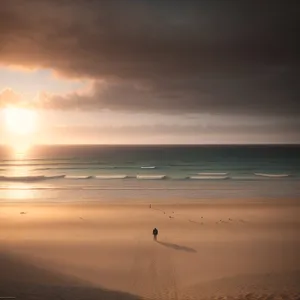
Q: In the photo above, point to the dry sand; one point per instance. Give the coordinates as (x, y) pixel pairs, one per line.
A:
(244, 250)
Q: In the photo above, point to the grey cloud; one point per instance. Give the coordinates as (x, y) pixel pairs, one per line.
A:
(187, 129)
(214, 56)
(223, 94)
(267, 133)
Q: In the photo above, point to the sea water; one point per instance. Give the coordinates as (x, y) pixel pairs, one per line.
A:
(149, 173)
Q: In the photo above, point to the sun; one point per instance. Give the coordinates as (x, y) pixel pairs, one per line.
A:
(20, 121)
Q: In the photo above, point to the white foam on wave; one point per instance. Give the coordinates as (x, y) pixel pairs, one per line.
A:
(244, 178)
(150, 167)
(151, 177)
(74, 168)
(272, 175)
(21, 178)
(77, 177)
(212, 174)
(29, 178)
(208, 177)
(117, 176)
(54, 177)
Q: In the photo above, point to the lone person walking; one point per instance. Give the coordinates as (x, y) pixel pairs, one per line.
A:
(155, 233)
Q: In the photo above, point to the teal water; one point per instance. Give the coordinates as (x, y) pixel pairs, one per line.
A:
(90, 172)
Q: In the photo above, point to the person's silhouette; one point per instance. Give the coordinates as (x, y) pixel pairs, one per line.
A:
(155, 233)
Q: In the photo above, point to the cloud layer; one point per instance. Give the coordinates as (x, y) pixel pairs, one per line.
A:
(188, 56)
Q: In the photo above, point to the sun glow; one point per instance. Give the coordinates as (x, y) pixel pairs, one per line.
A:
(20, 129)
(20, 121)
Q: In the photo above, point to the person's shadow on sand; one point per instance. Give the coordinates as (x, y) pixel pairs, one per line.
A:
(177, 247)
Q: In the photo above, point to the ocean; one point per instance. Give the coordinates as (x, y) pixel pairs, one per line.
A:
(149, 173)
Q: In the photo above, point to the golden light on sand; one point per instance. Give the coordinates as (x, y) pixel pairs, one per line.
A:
(20, 121)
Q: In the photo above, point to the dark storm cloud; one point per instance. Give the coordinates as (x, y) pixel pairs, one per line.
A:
(171, 56)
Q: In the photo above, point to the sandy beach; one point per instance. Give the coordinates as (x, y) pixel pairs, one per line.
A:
(246, 250)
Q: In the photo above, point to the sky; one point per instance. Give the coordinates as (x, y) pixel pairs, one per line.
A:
(152, 72)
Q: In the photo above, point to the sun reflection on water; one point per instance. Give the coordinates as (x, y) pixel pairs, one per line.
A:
(15, 186)
(20, 152)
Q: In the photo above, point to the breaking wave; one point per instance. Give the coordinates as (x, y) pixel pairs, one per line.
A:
(29, 178)
(75, 168)
(199, 176)
(208, 177)
(111, 176)
(272, 175)
(212, 174)
(151, 177)
(151, 167)
(78, 177)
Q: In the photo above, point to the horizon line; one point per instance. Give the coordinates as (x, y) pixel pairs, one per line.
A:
(167, 144)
